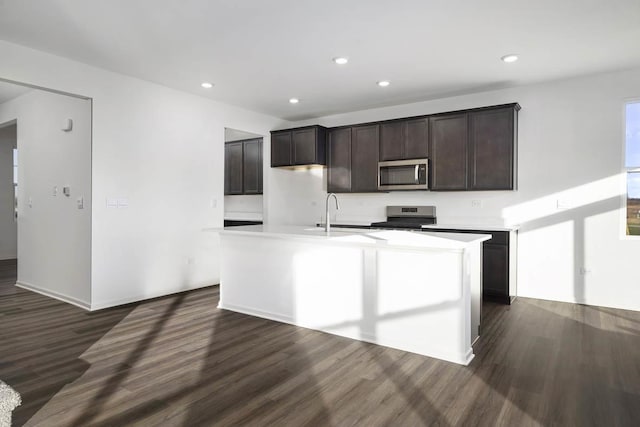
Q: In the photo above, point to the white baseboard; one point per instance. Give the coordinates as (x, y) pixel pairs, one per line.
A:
(56, 295)
(258, 313)
(143, 297)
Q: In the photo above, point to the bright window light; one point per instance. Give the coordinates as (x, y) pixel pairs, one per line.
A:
(632, 166)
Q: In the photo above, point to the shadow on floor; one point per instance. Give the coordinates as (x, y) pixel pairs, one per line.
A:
(42, 341)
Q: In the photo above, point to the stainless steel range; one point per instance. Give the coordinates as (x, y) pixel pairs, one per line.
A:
(408, 217)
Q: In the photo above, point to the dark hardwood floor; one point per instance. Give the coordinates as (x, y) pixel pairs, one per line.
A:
(179, 361)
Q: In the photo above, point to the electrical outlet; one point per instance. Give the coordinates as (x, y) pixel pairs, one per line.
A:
(80, 202)
(476, 203)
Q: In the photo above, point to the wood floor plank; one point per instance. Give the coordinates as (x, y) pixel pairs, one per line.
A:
(180, 361)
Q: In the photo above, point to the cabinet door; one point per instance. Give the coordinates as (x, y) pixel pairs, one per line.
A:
(233, 168)
(495, 270)
(491, 156)
(392, 139)
(304, 146)
(281, 148)
(339, 170)
(449, 137)
(364, 158)
(417, 139)
(252, 167)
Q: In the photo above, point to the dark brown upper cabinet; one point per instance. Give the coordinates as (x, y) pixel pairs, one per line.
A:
(281, 148)
(252, 167)
(353, 159)
(339, 159)
(243, 167)
(233, 169)
(405, 139)
(298, 147)
(474, 149)
(492, 136)
(364, 158)
(449, 155)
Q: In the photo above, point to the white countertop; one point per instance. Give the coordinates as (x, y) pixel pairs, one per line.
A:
(392, 239)
(483, 227)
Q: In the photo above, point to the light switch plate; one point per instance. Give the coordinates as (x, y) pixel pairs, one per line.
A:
(80, 202)
(112, 203)
(123, 202)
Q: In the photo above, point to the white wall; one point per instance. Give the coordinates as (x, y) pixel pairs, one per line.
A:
(244, 207)
(54, 235)
(8, 226)
(570, 149)
(161, 151)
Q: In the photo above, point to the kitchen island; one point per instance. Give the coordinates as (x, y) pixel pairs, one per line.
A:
(414, 291)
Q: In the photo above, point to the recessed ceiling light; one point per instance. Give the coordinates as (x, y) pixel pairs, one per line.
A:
(512, 57)
(383, 83)
(207, 85)
(294, 100)
(340, 60)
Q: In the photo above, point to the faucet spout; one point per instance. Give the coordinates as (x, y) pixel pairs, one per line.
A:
(327, 221)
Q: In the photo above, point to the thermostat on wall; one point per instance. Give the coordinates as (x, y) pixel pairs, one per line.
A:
(68, 126)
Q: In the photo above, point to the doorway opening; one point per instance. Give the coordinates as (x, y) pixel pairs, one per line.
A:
(243, 178)
(45, 192)
(8, 207)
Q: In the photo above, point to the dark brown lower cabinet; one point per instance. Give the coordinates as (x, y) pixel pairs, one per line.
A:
(498, 267)
(495, 271)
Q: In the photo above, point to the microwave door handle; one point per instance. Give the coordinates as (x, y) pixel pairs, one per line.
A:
(416, 176)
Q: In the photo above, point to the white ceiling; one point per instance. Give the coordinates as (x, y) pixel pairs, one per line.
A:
(260, 53)
(9, 91)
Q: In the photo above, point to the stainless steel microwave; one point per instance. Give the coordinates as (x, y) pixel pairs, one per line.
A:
(403, 175)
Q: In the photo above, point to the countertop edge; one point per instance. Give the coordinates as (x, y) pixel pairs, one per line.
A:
(321, 238)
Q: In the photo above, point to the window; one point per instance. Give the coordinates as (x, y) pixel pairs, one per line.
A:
(15, 183)
(632, 166)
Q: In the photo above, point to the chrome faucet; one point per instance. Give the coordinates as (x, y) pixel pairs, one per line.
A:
(327, 222)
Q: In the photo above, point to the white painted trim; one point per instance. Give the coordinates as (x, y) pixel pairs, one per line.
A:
(258, 313)
(55, 295)
(463, 359)
(142, 297)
